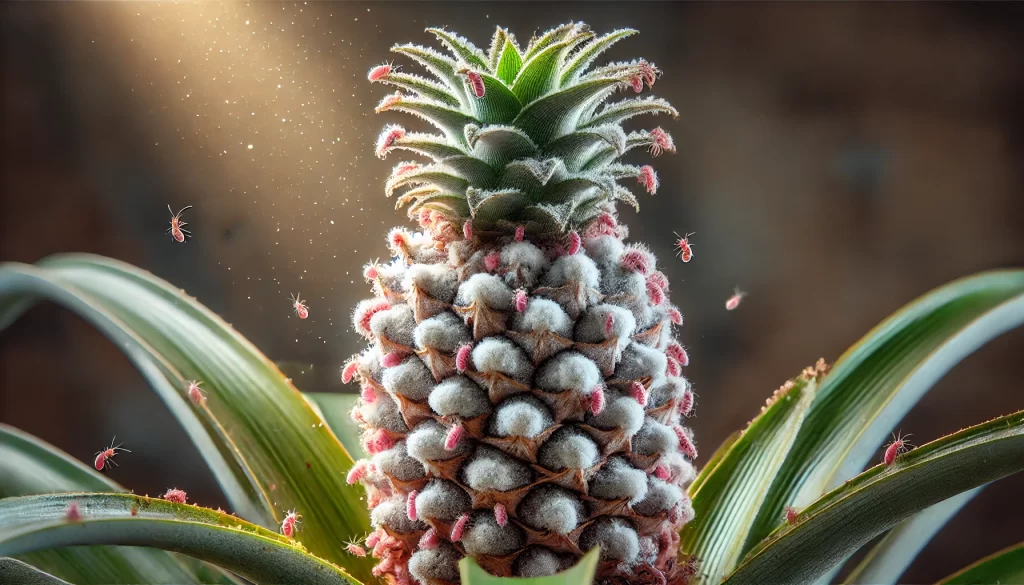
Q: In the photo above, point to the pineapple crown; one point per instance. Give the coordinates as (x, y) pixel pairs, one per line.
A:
(529, 141)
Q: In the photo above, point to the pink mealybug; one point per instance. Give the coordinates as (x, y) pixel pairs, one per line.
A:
(175, 495)
(520, 300)
(462, 356)
(376, 441)
(454, 437)
(675, 316)
(671, 367)
(300, 307)
(388, 102)
(661, 472)
(734, 301)
(520, 233)
(370, 271)
(574, 243)
(676, 352)
(686, 445)
(655, 293)
(72, 514)
(476, 82)
(658, 277)
(289, 524)
(898, 446)
(380, 72)
(177, 230)
(492, 261)
(609, 322)
(410, 505)
(634, 260)
(648, 178)
(637, 82)
(467, 230)
(387, 138)
(791, 515)
(368, 393)
(402, 168)
(649, 73)
(196, 395)
(350, 370)
(106, 456)
(638, 392)
(661, 142)
(459, 527)
(354, 549)
(500, 515)
(686, 403)
(429, 540)
(392, 359)
(358, 472)
(596, 400)
(684, 246)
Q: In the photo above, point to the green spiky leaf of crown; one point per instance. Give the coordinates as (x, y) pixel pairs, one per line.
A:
(526, 137)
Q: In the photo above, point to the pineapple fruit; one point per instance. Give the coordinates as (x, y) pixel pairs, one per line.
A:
(522, 400)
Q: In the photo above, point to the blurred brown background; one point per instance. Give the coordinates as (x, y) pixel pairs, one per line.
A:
(835, 161)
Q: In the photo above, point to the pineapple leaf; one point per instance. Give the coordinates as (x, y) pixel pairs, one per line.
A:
(436, 175)
(1005, 566)
(499, 145)
(15, 571)
(539, 75)
(254, 430)
(335, 409)
(33, 523)
(581, 574)
(442, 66)
(499, 105)
(713, 461)
(882, 376)
(838, 523)
(447, 119)
(730, 495)
(509, 63)
(578, 147)
(464, 50)
(434, 146)
(549, 217)
(888, 559)
(472, 169)
(619, 112)
(586, 54)
(497, 44)
(421, 86)
(29, 466)
(558, 113)
(531, 175)
(555, 35)
(493, 205)
(453, 206)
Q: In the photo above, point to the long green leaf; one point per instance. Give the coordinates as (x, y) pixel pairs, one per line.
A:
(509, 63)
(266, 446)
(34, 523)
(731, 494)
(714, 460)
(580, 574)
(28, 466)
(15, 571)
(845, 519)
(1005, 566)
(874, 384)
(888, 559)
(335, 409)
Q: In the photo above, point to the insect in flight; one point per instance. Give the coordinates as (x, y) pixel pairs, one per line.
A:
(684, 246)
(106, 456)
(734, 301)
(177, 229)
(300, 307)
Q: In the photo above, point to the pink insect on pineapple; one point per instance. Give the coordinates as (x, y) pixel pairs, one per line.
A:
(196, 395)
(684, 246)
(648, 178)
(898, 446)
(300, 307)
(175, 495)
(106, 457)
(354, 549)
(381, 72)
(734, 301)
(791, 515)
(177, 229)
(289, 524)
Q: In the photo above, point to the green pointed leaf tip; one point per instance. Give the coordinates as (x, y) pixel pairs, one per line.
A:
(843, 520)
(545, 93)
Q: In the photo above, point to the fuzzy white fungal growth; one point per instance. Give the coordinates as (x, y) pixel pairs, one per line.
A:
(619, 480)
(490, 469)
(396, 463)
(497, 354)
(521, 416)
(543, 315)
(483, 536)
(595, 326)
(654, 437)
(437, 280)
(569, 370)
(661, 497)
(392, 513)
(395, 324)
(552, 508)
(572, 269)
(410, 378)
(672, 387)
(618, 541)
(538, 561)
(605, 250)
(568, 448)
(383, 413)
(459, 396)
(527, 261)
(426, 443)
(442, 500)
(639, 361)
(487, 289)
(621, 411)
(680, 470)
(444, 331)
(440, 563)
